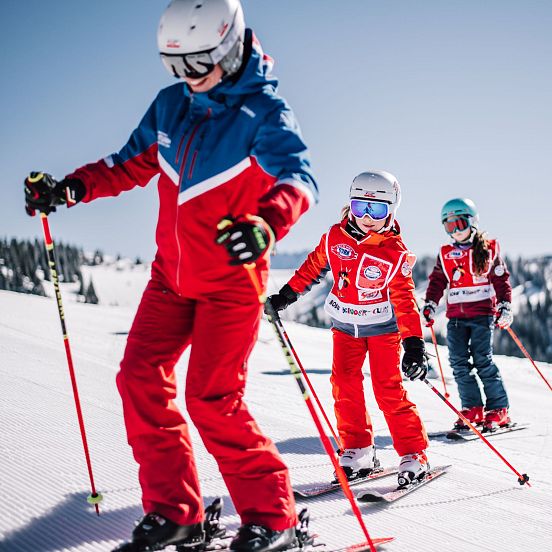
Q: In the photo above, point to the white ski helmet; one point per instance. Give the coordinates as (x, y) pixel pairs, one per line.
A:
(195, 35)
(380, 186)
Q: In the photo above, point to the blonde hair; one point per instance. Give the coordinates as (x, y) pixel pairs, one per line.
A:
(345, 211)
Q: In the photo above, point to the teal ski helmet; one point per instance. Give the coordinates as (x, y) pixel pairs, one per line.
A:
(460, 207)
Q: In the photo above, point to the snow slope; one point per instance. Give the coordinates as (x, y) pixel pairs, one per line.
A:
(477, 506)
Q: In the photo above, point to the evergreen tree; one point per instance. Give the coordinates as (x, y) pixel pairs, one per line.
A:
(90, 296)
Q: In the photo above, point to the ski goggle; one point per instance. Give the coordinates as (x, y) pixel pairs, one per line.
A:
(192, 66)
(456, 224)
(376, 210)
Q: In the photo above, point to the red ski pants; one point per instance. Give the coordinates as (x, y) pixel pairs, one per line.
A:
(222, 333)
(353, 421)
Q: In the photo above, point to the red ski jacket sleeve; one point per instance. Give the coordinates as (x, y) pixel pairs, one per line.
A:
(312, 270)
(401, 294)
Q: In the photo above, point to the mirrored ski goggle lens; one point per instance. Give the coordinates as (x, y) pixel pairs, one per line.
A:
(193, 66)
(456, 224)
(374, 209)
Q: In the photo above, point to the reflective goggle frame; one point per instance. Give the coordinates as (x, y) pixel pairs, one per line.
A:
(376, 210)
(192, 66)
(456, 224)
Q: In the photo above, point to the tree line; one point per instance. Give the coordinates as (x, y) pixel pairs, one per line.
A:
(24, 267)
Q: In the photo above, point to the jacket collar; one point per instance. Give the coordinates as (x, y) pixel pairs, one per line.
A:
(350, 229)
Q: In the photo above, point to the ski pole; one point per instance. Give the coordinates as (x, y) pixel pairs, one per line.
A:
(342, 478)
(527, 355)
(250, 267)
(522, 479)
(434, 339)
(94, 497)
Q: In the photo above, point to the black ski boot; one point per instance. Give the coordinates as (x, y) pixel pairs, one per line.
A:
(155, 532)
(257, 538)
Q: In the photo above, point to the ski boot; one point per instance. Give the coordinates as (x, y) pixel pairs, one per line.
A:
(496, 418)
(412, 467)
(257, 538)
(474, 415)
(358, 462)
(155, 532)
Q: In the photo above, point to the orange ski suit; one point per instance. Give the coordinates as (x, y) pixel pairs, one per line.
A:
(372, 307)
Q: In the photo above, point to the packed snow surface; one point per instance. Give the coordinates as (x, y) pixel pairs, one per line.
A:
(477, 506)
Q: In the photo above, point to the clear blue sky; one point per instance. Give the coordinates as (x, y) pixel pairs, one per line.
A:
(455, 98)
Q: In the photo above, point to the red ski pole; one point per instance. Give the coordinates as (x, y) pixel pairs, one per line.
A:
(527, 355)
(94, 497)
(342, 478)
(522, 479)
(434, 339)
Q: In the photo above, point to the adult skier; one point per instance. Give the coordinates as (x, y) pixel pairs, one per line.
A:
(226, 148)
(372, 309)
(479, 298)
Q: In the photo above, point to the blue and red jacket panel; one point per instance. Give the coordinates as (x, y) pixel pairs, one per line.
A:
(234, 150)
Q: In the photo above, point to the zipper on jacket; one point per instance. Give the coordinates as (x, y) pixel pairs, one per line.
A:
(182, 167)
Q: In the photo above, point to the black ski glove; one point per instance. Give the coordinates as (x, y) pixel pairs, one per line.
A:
(44, 193)
(283, 299)
(245, 239)
(414, 362)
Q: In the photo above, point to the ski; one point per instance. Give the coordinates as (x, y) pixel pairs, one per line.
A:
(319, 490)
(469, 435)
(399, 492)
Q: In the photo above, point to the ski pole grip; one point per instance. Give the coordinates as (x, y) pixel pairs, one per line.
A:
(37, 176)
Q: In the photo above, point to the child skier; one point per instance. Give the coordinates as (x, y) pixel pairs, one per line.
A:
(479, 296)
(372, 308)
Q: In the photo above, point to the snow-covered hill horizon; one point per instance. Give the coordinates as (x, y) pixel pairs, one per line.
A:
(476, 506)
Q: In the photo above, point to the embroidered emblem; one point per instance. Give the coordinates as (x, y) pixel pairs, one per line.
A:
(406, 269)
(163, 139)
(344, 280)
(457, 273)
(366, 295)
(372, 272)
(455, 254)
(344, 251)
(499, 270)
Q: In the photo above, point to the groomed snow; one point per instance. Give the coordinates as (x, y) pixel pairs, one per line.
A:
(477, 506)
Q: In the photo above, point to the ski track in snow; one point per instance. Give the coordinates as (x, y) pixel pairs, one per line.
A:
(477, 506)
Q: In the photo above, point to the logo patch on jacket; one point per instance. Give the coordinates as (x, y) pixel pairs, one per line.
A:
(344, 251)
(163, 139)
(367, 295)
(406, 269)
(373, 273)
(455, 254)
(499, 270)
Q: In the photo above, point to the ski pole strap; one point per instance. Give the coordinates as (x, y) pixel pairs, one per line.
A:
(522, 478)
